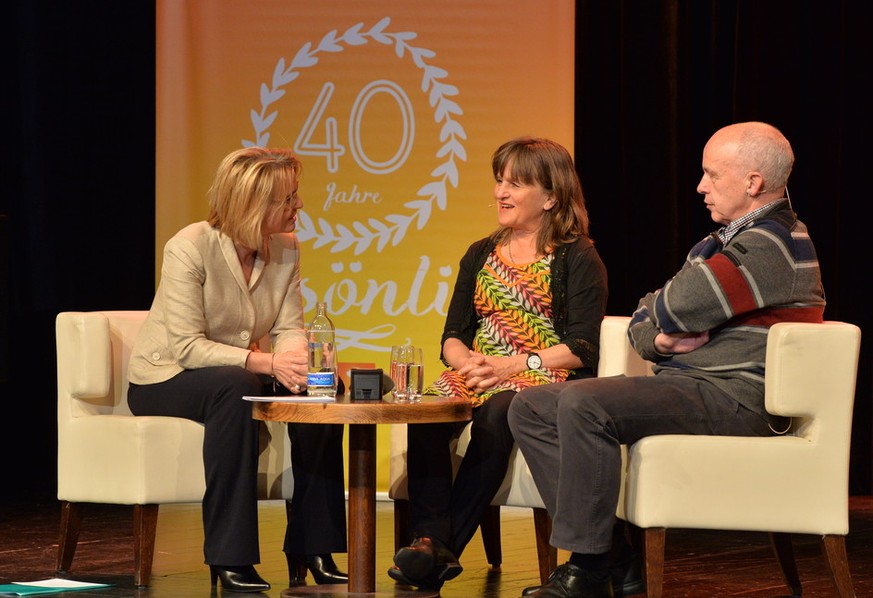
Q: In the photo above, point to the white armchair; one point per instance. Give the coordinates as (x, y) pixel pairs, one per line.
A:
(518, 488)
(792, 484)
(107, 455)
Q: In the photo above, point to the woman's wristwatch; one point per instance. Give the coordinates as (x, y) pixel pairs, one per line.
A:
(534, 361)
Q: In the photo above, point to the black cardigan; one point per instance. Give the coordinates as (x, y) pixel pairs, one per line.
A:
(579, 293)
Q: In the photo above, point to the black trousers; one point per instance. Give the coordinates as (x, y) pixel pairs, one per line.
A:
(213, 397)
(451, 510)
(318, 507)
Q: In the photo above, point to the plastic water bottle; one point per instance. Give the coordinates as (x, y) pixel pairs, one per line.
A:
(321, 380)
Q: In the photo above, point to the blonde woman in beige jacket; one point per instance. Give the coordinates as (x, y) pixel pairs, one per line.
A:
(226, 283)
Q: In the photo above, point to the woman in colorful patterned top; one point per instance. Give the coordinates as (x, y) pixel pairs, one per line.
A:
(526, 310)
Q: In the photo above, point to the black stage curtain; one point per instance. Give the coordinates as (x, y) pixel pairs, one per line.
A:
(654, 81)
(79, 197)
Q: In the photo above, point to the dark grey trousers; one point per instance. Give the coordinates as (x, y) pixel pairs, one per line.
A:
(571, 435)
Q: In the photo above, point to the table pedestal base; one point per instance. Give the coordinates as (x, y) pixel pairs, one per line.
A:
(327, 591)
(362, 417)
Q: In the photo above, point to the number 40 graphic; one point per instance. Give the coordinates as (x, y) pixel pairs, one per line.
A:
(332, 149)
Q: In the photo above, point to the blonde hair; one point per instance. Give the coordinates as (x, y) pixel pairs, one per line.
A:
(534, 160)
(249, 184)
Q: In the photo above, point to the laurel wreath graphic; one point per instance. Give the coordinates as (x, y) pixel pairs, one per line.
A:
(360, 236)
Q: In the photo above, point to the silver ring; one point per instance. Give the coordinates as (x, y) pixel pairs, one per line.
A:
(296, 388)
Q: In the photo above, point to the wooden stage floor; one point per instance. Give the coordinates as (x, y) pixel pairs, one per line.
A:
(698, 563)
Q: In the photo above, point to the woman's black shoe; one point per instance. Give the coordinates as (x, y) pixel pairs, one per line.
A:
(323, 569)
(238, 579)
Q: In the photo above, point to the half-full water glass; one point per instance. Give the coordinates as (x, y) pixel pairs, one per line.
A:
(397, 371)
(407, 373)
(414, 376)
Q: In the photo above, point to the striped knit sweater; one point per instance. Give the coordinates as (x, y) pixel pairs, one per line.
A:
(767, 273)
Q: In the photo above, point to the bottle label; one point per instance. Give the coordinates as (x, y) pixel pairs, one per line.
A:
(321, 379)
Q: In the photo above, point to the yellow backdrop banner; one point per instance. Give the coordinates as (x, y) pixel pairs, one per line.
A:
(394, 108)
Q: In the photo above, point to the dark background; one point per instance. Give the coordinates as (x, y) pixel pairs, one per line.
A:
(653, 81)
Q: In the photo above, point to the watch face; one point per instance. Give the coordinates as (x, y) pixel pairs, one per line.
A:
(534, 362)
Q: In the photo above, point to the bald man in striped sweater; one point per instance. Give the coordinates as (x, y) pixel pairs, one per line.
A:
(705, 331)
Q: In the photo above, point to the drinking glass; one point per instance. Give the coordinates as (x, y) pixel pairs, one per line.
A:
(414, 375)
(398, 370)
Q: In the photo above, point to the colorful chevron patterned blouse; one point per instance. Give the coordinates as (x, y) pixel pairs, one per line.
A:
(514, 307)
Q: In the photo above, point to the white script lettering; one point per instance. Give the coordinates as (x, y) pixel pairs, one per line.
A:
(346, 294)
(353, 196)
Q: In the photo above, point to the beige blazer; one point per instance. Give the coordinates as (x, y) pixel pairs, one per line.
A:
(204, 314)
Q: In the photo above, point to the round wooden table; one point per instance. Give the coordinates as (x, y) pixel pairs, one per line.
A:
(363, 417)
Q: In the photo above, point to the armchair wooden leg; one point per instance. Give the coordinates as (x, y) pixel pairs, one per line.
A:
(834, 549)
(547, 555)
(781, 543)
(489, 526)
(71, 523)
(145, 523)
(653, 561)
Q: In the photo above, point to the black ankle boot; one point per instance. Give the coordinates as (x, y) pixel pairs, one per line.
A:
(322, 567)
(426, 563)
(238, 579)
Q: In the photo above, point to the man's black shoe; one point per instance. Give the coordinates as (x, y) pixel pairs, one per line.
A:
(569, 581)
(627, 578)
(425, 563)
